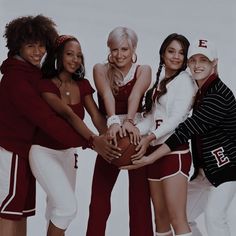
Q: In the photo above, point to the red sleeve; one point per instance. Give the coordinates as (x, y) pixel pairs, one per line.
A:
(85, 88)
(27, 100)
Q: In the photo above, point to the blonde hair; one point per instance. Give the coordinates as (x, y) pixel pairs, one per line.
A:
(117, 36)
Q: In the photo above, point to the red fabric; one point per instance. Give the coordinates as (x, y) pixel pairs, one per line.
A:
(121, 98)
(85, 88)
(104, 179)
(46, 85)
(22, 110)
(20, 201)
(169, 165)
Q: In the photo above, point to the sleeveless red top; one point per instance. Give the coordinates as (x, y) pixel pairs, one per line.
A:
(121, 99)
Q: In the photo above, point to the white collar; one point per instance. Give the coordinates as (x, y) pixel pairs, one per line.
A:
(130, 74)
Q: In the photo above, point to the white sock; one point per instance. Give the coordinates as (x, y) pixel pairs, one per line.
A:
(164, 234)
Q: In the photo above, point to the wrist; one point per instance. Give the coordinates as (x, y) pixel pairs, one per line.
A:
(151, 137)
(114, 119)
(90, 141)
(131, 121)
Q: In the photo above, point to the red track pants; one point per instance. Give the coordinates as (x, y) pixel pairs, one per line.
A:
(104, 179)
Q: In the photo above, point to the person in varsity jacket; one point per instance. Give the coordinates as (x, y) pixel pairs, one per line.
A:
(22, 110)
(212, 130)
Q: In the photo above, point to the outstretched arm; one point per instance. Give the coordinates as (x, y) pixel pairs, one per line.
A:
(98, 119)
(99, 143)
(147, 160)
(104, 89)
(67, 113)
(142, 83)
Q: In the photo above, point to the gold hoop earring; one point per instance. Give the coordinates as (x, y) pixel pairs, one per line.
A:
(109, 59)
(134, 58)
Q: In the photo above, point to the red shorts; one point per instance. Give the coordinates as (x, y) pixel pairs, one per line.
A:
(178, 161)
(17, 192)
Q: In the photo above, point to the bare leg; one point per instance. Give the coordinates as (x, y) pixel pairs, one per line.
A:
(173, 187)
(55, 231)
(13, 227)
(162, 220)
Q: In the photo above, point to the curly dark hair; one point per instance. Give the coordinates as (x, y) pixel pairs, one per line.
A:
(55, 56)
(162, 88)
(28, 29)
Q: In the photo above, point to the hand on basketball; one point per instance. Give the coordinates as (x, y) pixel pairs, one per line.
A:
(145, 160)
(106, 149)
(127, 150)
(112, 132)
(132, 131)
(141, 148)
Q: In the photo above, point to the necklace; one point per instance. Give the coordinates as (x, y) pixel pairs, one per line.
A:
(67, 86)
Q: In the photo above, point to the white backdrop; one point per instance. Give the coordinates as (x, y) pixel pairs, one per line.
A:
(91, 21)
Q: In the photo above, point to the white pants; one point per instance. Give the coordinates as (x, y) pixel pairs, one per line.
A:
(55, 172)
(213, 201)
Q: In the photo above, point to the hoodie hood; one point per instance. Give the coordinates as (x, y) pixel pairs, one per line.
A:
(14, 64)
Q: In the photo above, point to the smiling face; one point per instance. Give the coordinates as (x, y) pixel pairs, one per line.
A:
(72, 56)
(32, 52)
(121, 54)
(173, 57)
(201, 67)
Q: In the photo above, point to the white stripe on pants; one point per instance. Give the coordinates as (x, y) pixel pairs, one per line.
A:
(213, 201)
(55, 172)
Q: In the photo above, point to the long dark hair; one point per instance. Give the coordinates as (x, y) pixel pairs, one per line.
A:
(53, 64)
(162, 87)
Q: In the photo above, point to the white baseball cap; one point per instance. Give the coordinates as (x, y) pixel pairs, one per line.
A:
(203, 46)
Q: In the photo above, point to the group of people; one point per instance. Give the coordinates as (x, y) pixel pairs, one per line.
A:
(43, 98)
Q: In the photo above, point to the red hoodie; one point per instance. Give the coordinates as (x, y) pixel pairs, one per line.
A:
(22, 110)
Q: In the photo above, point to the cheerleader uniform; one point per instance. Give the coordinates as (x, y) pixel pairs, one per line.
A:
(105, 176)
(171, 109)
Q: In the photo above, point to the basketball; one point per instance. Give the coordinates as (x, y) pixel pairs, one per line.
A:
(127, 150)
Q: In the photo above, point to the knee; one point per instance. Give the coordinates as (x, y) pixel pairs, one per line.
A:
(62, 216)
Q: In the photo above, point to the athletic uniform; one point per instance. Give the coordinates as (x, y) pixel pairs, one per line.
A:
(172, 108)
(212, 129)
(50, 162)
(105, 176)
(21, 111)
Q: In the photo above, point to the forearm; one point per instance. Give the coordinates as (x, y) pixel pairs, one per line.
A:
(109, 103)
(159, 152)
(79, 126)
(100, 123)
(133, 104)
